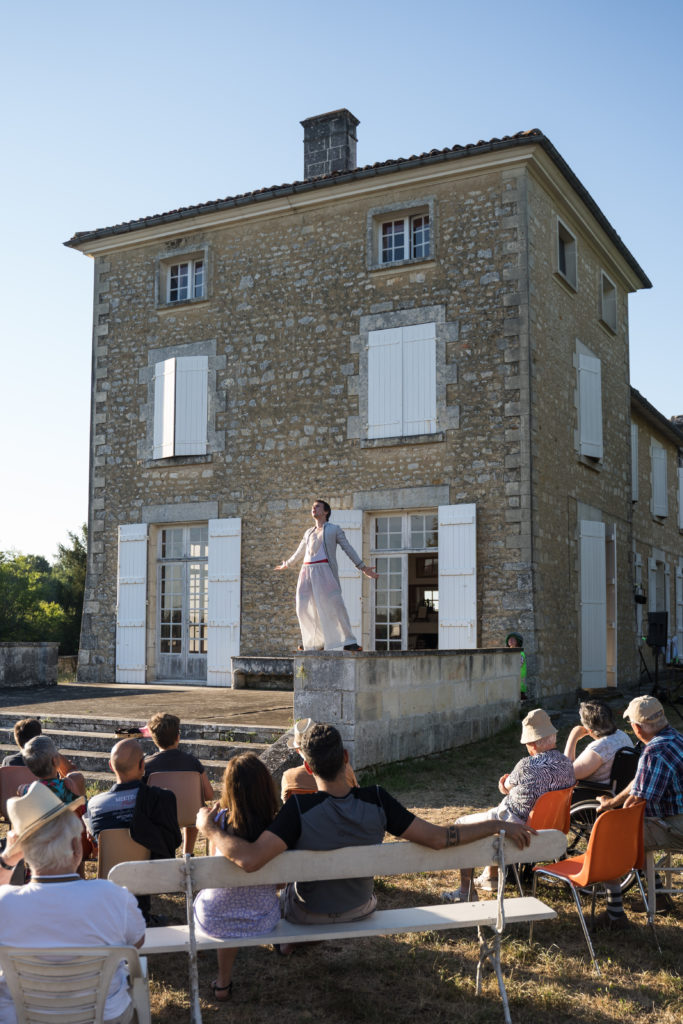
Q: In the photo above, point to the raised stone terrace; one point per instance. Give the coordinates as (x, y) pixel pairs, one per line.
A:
(216, 723)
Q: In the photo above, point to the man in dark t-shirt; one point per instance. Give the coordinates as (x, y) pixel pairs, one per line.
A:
(336, 816)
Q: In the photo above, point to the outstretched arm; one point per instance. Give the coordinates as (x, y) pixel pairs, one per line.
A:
(437, 837)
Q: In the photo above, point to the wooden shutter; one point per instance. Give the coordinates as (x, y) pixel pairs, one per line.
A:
(660, 503)
(350, 578)
(590, 407)
(611, 603)
(593, 604)
(191, 390)
(457, 577)
(223, 634)
(634, 462)
(385, 389)
(131, 604)
(164, 409)
(680, 497)
(419, 379)
(652, 586)
(638, 571)
(679, 609)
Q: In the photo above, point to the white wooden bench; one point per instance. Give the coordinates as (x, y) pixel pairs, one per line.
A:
(191, 874)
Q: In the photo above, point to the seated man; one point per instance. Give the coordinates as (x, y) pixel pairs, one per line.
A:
(298, 778)
(338, 815)
(71, 913)
(149, 813)
(659, 782)
(24, 730)
(165, 731)
(545, 769)
(594, 763)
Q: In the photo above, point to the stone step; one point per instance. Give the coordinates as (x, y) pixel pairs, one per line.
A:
(221, 732)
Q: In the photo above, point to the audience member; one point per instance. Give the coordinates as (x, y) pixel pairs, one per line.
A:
(165, 731)
(298, 778)
(545, 769)
(659, 782)
(594, 763)
(43, 759)
(73, 912)
(516, 640)
(336, 816)
(248, 804)
(24, 730)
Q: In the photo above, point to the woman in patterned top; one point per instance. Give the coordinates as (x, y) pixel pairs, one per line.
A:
(248, 803)
(545, 769)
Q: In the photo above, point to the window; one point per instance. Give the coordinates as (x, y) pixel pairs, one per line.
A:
(406, 605)
(185, 281)
(183, 597)
(407, 238)
(634, 461)
(660, 501)
(402, 381)
(608, 302)
(566, 254)
(180, 406)
(590, 405)
(680, 505)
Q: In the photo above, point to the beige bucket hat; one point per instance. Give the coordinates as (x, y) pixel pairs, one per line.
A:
(536, 726)
(301, 729)
(646, 711)
(36, 808)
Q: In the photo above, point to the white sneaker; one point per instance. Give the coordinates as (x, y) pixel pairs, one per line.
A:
(486, 882)
(459, 896)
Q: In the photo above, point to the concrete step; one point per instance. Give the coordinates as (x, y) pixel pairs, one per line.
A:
(220, 732)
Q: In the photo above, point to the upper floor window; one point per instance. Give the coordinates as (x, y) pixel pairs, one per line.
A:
(660, 499)
(402, 381)
(186, 281)
(589, 405)
(406, 238)
(566, 254)
(180, 406)
(608, 302)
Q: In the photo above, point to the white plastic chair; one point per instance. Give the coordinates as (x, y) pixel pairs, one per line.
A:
(69, 985)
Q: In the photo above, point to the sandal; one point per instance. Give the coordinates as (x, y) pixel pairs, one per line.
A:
(224, 990)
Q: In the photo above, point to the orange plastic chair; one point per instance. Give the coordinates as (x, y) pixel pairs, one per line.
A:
(187, 787)
(11, 777)
(615, 847)
(116, 846)
(299, 792)
(551, 810)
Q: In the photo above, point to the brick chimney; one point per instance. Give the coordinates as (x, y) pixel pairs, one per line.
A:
(329, 143)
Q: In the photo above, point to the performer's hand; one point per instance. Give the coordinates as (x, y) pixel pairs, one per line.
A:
(370, 572)
(280, 567)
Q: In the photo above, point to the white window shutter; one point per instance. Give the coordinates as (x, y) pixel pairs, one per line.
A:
(660, 503)
(164, 409)
(385, 388)
(634, 462)
(680, 497)
(131, 604)
(457, 577)
(223, 634)
(652, 585)
(679, 609)
(638, 570)
(611, 602)
(351, 580)
(419, 379)
(593, 604)
(191, 391)
(590, 407)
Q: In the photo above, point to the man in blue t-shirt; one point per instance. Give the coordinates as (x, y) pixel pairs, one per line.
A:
(337, 816)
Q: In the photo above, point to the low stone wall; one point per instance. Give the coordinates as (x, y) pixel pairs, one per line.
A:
(24, 665)
(406, 704)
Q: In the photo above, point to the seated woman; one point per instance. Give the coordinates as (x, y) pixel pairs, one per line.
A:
(594, 763)
(248, 803)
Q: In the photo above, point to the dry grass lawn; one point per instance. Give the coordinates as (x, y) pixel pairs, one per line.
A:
(431, 976)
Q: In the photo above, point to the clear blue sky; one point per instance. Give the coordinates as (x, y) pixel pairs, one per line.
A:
(116, 111)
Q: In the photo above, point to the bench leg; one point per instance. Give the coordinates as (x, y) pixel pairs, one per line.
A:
(489, 949)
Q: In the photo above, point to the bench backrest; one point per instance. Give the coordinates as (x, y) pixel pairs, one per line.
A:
(398, 858)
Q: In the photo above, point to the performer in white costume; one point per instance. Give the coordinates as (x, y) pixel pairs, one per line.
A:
(320, 608)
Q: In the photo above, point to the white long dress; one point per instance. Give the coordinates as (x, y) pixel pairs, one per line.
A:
(320, 608)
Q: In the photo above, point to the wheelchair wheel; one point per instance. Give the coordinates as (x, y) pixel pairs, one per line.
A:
(582, 818)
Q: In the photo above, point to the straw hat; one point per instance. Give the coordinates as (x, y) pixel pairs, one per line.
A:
(301, 728)
(36, 808)
(536, 726)
(646, 711)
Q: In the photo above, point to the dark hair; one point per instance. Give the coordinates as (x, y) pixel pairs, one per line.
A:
(25, 729)
(328, 508)
(248, 794)
(165, 729)
(597, 716)
(322, 748)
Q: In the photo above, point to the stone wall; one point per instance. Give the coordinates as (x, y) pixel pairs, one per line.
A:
(389, 707)
(28, 664)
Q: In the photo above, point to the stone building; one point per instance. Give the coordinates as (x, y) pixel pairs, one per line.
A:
(436, 345)
(657, 500)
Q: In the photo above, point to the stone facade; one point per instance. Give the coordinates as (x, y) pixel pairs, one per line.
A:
(293, 291)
